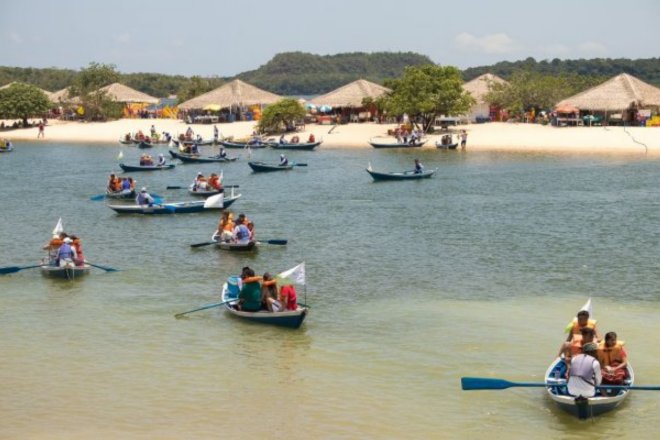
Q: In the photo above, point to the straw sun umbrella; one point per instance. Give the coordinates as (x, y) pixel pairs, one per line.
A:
(351, 95)
(233, 94)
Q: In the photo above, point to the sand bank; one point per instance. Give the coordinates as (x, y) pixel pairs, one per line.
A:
(481, 137)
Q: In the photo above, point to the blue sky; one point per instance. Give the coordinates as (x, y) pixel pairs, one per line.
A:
(212, 38)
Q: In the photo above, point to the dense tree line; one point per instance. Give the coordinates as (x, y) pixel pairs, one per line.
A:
(298, 73)
(647, 70)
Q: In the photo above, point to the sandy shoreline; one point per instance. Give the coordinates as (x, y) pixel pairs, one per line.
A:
(481, 137)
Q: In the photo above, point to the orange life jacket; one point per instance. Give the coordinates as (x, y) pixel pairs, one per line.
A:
(591, 323)
(607, 356)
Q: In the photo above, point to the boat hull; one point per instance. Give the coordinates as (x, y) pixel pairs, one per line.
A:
(6, 150)
(193, 158)
(240, 247)
(405, 175)
(135, 168)
(591, 407)
(302, 146)
(446, 146)
(396, 144)
(229, 144)
(262, 167)
(171, 208)
(67, 273)
(120, 194)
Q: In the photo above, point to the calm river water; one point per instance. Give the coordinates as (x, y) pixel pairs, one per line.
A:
(412, 285)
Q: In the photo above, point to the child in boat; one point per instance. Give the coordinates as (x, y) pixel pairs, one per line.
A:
(613, 359)
(76, 244)
(214, 182)
(225, 229)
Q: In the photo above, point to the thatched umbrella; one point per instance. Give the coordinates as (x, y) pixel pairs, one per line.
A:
(234, 93)
(121, 93)
(63, 96)
(351, 95)
(616, 94)
(480, 86)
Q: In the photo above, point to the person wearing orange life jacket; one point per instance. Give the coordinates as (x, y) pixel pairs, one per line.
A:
(574, 332)
(53, 246)
(613, 359)
(77, 246)
(215, 183)
(225, 230)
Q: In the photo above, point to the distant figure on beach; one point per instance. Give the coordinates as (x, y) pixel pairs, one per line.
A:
(419, 168)
(216, 134)
(153, 131)
(42, 128)
(463, 139)
(282, 140)
(283, 160)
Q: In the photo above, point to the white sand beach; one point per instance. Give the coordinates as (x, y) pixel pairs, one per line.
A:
(481, 137)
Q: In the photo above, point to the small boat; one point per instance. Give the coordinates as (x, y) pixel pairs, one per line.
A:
(67, 272)
(291, 319)
(446, 146)
(145, 144)
(172, 208)
(120, 194)
(231, 144)
(195, 158)
(229, 246)
(402, 175)
(204, 193)
(146, 167)
(582, 408)
(126, 142)
(382, 144)
(296, 146)
(198, 142)
(259, 167)
(6, 150)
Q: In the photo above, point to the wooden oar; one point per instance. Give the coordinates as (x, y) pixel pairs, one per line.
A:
(296, 164)
(206, 243)
(105, 268)
(483, 383)
(277, 242)
(186, 187)
(209, 306)
(12, 269)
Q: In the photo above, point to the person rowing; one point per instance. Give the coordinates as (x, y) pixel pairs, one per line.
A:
(144, 198)
(66, 254)
(241, 231)
(161, 160)
(283, 160)
(419, 168)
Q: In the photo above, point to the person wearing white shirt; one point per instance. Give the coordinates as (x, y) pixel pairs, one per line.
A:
(584, 374)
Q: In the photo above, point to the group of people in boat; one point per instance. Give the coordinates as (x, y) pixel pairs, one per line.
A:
(263, 293)
(120, 184)
(147, 160)
(296, 139)
(5, 144)
(65, 250)
(590, 360)
(201, 183)
(240, 231)
(403, 136)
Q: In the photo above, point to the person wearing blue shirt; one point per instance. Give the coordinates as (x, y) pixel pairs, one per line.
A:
(419, 168)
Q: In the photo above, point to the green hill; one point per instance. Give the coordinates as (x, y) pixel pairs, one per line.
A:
(298, 73)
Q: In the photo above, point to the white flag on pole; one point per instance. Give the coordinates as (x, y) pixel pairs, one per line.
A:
(217, 201)
(295, 275)
(58, 227)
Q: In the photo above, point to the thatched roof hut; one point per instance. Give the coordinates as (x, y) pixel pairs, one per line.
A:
(478, 88)
(62, 96)
(616, 94)
(121, 93)
(351, 95)
(234, 93)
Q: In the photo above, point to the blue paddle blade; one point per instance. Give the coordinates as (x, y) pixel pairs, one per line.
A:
(97, 197)
(485, 383)
(170, 208)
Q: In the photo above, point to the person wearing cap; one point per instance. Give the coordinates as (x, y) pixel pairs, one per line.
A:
(283, 160)
(66, 254)
(161, 160)
(584, 373)
(144, 198)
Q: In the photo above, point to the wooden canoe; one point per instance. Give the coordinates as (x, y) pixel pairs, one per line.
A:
(290, 319)
(171, 208)
(144, 144)
(231, 144)
(120, 194)
(67, 273)
(297, 146)
(134, 168)
(204, 193)
(195, 158)
(382, 144)
(447, 146)
(402, 175)
(242, 247)
(584, 408)
(260, 167)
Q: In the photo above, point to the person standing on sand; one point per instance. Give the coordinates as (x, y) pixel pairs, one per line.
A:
(42, 128)
(463, 139)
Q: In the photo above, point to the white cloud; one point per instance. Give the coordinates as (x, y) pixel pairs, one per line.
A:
(555, 50)
(15, 38)
(491, 44)
(124, 38)
(592, 48)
